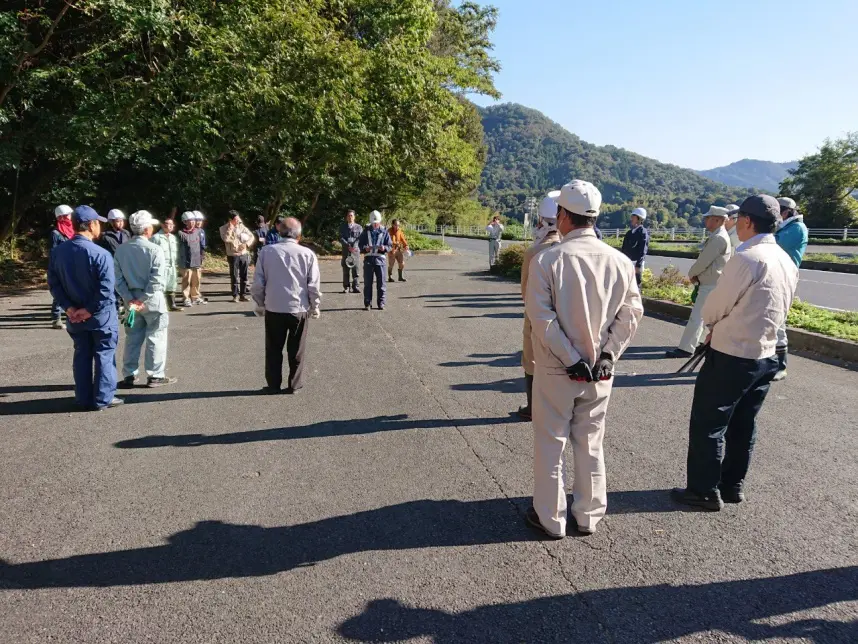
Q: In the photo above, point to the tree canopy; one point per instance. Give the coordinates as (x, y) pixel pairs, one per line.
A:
(303, 106)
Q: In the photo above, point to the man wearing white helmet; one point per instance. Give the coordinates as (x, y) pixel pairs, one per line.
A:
(704, 274)
(141, 281)
(238, 239)
(62, 232)
(190, 259)
(545, 236)
(584, 307)
(375, 243)
(636, 242)
(116, 234)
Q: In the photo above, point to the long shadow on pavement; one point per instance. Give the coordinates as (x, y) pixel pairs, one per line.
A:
(325, 429)
(642, 614)
(494, 316)
(488, 360)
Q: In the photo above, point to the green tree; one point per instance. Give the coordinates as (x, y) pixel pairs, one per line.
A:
(823, 184)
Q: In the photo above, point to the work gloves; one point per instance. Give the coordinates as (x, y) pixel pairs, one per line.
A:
(581, 371)
(315, 314)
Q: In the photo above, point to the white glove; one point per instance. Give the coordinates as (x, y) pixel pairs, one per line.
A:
(315, 314)
(259, 311)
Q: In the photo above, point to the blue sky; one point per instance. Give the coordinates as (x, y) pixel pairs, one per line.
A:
(698, 83)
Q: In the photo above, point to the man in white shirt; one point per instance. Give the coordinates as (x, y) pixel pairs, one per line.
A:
(704, 274)
(744, 313)
(286, 291)
(584, 307)
(494, 230)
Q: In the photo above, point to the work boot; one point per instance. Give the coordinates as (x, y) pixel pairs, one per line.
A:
(782, 364)
(126, 383)
(711, 503)
(160, 382)
(401, 278)
(532, 519)
(525, 413)
(390, 276)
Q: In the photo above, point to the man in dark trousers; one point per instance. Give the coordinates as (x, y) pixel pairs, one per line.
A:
(238, 240)
(636, 242)
(350, 233)
(190, 259)
(743, 312)
(286, 290)
(375, 243)
(63, 231)
(81, 280)
(261, 233)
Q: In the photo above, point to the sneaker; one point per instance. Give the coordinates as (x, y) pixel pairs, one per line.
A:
(269, 391)
(712, 503)
(355, 290)
(366, 307)
(532, 520)
(201, 300)
(58, 324)
(677, 353)
(187, 304)
(235, 299)
(244, 298)
(160, 382)
(780, 375)
(524, 413)
(345, 289)
(291, 390)
(126, 383)
(732, 494)
(116, 402)
(381, 308)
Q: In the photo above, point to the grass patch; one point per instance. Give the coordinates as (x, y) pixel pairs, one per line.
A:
(830, 257)
(418, 241)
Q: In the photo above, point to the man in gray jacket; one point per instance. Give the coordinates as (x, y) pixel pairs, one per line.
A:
(141, 279)
(704, 274)
(286, 292)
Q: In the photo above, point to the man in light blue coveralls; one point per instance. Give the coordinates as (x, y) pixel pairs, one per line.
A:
(141, 281)
(81, 280)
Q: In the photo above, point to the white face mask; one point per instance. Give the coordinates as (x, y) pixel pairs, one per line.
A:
(540, 233)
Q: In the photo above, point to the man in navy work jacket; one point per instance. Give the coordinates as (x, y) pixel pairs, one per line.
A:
(636, 242)
(81, 280)
(375, 243)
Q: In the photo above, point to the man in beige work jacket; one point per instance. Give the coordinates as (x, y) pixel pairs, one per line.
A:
(704, 274)
(584, 306)
(545, 236)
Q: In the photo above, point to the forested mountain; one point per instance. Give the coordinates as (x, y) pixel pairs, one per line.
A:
(751, 173)
(528, 154)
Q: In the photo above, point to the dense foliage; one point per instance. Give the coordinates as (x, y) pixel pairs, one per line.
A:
(528, 154)
(824, 184)
(296, 106)
(751, 173)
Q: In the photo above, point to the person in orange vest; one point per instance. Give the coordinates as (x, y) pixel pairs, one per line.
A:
(399, 252)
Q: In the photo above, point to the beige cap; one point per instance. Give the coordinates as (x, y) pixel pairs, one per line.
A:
(717, 211)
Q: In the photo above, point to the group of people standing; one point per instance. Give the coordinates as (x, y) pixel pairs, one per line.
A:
(582, 308)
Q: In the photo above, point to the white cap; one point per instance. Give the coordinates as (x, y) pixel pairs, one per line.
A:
(375, 217)
(786, 202)
(716, 211)
(548, 207)
(115, 214)
(580, 198)
(141, 220)
(198, 215)
(63, 211)
(639, 212)
(732, 210)
(188, 216)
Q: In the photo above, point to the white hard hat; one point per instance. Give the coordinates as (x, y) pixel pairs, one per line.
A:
(639, 212)
(142, 219)
(786, 202)
(717, 211)
(548, 207)
(198, 215)
(116, 214)
(580, 198)
(375, 217)
(188, 216)
(63, 211)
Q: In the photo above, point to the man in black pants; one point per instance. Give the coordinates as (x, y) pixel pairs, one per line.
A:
(744, 313)
(350, 233)
(286, 291)
(238, 240)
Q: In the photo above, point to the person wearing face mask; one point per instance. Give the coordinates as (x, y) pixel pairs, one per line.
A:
(375, 244)
(704, 274)
(584, 307)
(545, 236)
(743, 312)
(62, 232)
(730, 225)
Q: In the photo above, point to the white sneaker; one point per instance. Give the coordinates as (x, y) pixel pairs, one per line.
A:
(780, 375)
(58, 324)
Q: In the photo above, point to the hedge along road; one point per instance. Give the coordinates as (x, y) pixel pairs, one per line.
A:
(831, 290)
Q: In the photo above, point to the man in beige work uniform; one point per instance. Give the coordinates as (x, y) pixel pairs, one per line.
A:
(704, 274)
(584, 306)
(545, 236)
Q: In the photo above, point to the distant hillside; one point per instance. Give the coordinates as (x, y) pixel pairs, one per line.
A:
(528, 154)
(751, 173)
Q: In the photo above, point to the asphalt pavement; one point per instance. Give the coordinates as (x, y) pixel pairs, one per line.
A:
(823, 288)
(385, 501)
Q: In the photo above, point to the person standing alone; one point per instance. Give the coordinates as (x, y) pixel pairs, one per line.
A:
(495, 231)
(584, 307)
(286, 290)
(636, 242)
(350, 233)
(62, 232)
(375, 242)
(239, 241)
(141, 279)
(81, 281)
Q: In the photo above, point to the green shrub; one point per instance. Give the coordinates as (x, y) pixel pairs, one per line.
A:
(418, 241)
(510, 260)
(829, 257)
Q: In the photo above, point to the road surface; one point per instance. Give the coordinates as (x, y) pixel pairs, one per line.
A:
(831, 290)
(385, 501)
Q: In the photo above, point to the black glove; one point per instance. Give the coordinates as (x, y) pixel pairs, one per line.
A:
(580, 372)
(604, 369)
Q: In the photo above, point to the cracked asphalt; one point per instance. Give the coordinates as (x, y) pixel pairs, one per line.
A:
(385, 501)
